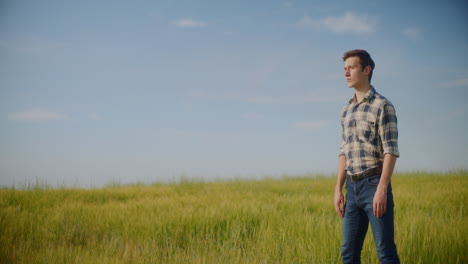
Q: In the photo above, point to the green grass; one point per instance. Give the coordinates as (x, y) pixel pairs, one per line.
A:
(290, 220)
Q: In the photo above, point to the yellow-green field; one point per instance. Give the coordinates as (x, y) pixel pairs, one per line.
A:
(290, 220)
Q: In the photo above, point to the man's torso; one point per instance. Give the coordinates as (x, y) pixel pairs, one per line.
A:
(369, 129)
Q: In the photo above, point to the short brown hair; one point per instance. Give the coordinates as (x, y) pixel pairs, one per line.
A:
(364, 58)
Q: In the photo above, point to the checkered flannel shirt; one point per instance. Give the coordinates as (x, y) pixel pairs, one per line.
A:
(369, 130)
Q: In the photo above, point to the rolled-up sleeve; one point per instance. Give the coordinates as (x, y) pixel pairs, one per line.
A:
(388, 130)
(342, 139)
(341, 149)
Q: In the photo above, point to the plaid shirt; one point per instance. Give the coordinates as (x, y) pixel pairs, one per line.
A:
(369, 130)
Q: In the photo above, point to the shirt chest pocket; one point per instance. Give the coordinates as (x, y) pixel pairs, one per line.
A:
(365, 130)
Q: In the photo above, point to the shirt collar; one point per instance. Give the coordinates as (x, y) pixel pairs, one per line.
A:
(370, 95)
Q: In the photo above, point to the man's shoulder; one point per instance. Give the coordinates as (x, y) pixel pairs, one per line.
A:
(380, 100)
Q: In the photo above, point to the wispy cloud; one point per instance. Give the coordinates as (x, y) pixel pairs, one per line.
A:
(35, 115)
(347, 23)
(312, 124)
(189, 23)
(456, 83)
(412, 33)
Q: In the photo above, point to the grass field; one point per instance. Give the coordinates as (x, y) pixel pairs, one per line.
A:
(290, 220)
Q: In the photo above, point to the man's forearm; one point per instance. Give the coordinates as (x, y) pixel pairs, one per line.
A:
(341, 175)
(379, 203)
(387, 171)
(339, 200)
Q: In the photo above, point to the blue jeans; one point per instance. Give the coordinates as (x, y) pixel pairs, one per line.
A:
(357, 215)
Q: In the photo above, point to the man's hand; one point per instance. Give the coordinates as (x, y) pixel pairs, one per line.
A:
(380, 202)
(339, 202)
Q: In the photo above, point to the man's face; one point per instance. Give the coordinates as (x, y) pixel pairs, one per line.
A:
(355, 76)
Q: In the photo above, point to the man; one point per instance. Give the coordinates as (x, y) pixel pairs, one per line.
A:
(367, 158)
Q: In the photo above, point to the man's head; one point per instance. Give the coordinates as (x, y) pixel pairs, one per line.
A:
(365, 60)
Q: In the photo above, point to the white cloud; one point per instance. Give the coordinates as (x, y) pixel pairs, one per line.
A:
(456, 83)
(412, 33)
(312, 124)
(35, 115)
(190, 23)
(348, 23)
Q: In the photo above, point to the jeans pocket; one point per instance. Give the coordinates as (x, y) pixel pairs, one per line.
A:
(373, 180)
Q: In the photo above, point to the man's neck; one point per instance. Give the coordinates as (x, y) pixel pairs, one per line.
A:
(360, 92)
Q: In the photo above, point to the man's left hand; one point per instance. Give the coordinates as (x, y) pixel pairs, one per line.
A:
(380, 202)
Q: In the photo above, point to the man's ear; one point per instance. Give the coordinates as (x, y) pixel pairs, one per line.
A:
(368, 69)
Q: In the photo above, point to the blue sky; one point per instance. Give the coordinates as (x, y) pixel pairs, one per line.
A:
(94, 92)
